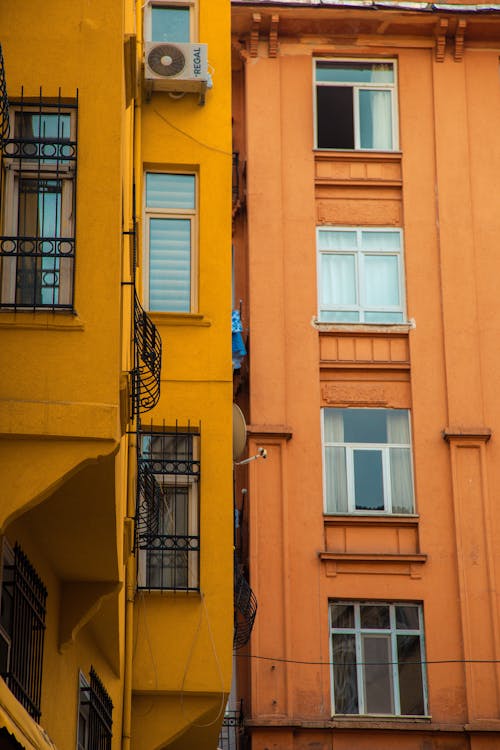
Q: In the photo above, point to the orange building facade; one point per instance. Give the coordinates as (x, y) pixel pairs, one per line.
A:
(366, 253)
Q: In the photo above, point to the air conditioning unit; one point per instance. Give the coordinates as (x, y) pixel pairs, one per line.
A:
(170, 66)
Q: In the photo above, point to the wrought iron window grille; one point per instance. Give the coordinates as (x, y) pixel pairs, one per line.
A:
(37, 245)
(167, 515)
(232, 729)
(95, 715)
(22, 629)
(4, 104)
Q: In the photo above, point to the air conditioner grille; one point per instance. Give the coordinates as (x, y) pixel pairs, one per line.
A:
(166, 60)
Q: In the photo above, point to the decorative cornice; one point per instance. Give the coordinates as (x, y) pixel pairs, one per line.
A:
(466, 434)
(273, 36)
(254, 34)
(460, 39)
(441, 30)
(281, 431)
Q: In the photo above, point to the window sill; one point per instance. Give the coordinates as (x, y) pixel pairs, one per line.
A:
(343, 519)
(362, 154)
(401, 329)
(179, 319)
(50, 321)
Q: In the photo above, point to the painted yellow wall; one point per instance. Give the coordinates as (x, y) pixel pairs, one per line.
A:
(184, 641)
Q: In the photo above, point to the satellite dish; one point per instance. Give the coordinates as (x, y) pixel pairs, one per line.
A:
(239, 432)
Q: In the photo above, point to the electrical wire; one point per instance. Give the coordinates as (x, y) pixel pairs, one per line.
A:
(191, 137)
(368, 663)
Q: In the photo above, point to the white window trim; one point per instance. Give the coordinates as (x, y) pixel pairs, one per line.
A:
(384, 448)
(193, 16)
(359, 254)
(392, 87)
(173, 213)
(393, 632)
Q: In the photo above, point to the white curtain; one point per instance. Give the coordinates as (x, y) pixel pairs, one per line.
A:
(398, 432)
(375, 119)
(335, 462)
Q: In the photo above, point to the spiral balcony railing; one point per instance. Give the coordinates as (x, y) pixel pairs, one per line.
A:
(4, 104)
(245, 609)
(147, 366)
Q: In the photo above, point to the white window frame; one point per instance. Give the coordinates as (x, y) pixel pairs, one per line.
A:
(384, 449)
(16, 169)
(360, 253)
(191, 5)
(393, 632)
(173, 213)
(391, 87)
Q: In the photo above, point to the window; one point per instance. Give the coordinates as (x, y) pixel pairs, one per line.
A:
(367, 460)
(37, 245)
(95, 712)
(22, 628)
(167, 523)
(169, 21)
(355, 105)
(360, 275)
(170, 241)
(377, 655)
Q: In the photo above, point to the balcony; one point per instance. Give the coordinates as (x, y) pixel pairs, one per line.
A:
(147, 365)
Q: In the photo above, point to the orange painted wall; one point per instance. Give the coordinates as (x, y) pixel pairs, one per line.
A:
(444, 367)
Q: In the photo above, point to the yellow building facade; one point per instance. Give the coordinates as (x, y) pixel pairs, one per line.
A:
(116, 620)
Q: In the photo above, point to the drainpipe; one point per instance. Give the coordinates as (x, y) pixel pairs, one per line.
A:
(130, 573)
(130, 570)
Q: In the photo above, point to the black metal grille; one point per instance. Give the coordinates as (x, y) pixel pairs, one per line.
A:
(97, 706)
(4, 103)
(245, 609)
(232, 729)
(37, 249)
(167, 517)
(147, 366)
(23, 620)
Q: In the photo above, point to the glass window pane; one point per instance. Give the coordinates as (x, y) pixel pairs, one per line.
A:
(345, 684)
(170, 265)
(368, 480)
(336, 239)
(335, 117)
(381, 281)
(346, 72)
(336, 480)
(401, 480)
(381, 241)
(338, 279)
(334, 425)
(342, 616)
(169, 24)
(375, 119)
(365, 425)
(384, 317)
(338, 316)
(378, 674)
(375, 616)
(169, 190)
(410, 675)
(407, 617)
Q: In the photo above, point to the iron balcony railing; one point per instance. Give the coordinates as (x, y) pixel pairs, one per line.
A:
(147, 366)
(232, 729)
(4, 103)
(23, 629)
(98, 706)
(37, 249)
(245, 608)
(236, 177)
